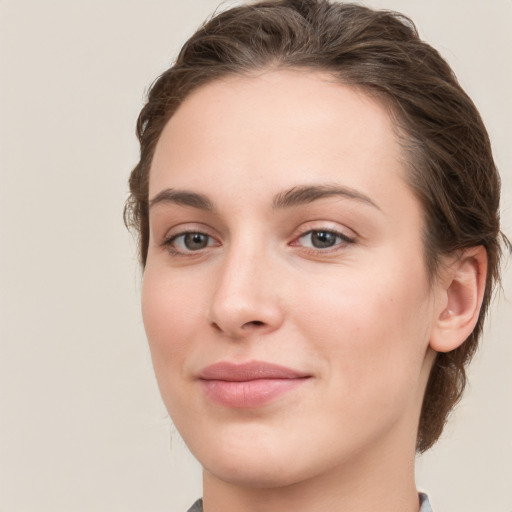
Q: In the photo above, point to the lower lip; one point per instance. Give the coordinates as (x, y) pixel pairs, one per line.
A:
(248, 394)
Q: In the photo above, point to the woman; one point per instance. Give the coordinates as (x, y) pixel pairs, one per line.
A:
(317, 206)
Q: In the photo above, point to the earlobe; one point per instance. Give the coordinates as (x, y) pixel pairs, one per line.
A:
(463, 287)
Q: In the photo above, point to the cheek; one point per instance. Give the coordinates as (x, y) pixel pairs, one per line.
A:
(372, 328)
(170, 312)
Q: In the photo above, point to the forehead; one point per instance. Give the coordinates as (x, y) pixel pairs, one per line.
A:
(274, 127)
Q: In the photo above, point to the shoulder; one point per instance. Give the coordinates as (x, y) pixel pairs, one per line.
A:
(198, 506)
(424, 503)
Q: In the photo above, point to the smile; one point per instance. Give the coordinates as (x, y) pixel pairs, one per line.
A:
(248, 385)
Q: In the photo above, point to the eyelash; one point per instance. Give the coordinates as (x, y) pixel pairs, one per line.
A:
(169, 243)
(342, 241)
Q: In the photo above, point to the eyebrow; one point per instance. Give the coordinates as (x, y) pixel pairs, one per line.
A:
(182, 198)
(309, 193)
(295, 196)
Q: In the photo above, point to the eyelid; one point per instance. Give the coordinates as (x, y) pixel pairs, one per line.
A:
(344, 238)
(319, 225)
(187, 227)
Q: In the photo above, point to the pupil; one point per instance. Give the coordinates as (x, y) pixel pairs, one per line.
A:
(323, 239)
(195, 241)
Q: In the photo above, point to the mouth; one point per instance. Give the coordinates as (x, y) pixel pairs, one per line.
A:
(250, 384)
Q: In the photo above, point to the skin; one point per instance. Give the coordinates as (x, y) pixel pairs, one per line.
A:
(359, 318)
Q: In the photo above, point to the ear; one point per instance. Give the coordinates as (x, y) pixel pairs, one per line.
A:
(462, 286)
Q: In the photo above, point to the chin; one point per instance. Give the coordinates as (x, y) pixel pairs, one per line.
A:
(258, 461)
(250, 457)
(256, 472)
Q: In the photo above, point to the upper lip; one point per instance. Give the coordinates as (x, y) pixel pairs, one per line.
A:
(252, 370)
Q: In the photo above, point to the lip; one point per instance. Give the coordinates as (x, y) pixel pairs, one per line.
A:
(250, 384)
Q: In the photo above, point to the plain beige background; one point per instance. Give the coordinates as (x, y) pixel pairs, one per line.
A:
(82, 427)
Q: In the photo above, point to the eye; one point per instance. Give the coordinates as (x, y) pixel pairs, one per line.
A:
(190, 242)
(323, 239)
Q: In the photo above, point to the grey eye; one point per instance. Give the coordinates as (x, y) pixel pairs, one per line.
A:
(195, 241)
(190, 241)
(323, 239)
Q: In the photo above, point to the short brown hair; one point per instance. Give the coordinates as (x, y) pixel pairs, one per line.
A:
(451, 168)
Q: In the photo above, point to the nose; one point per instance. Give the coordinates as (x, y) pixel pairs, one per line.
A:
(245, 301)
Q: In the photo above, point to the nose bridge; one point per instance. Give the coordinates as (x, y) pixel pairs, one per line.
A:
(245, 298)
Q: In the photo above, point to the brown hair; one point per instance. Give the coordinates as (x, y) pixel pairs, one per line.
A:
(448, 151)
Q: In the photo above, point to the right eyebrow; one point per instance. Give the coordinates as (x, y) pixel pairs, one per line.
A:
(182, 198)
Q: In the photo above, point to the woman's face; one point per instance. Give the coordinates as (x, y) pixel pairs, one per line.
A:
(285, 295)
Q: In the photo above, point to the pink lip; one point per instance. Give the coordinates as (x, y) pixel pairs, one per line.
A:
(249, 384)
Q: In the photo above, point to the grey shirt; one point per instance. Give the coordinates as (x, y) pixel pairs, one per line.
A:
(424, 504)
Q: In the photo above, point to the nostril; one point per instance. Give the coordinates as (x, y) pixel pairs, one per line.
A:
(216, 326)
(255, 323)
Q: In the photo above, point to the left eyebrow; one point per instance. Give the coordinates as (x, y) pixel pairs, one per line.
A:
(309, 193)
